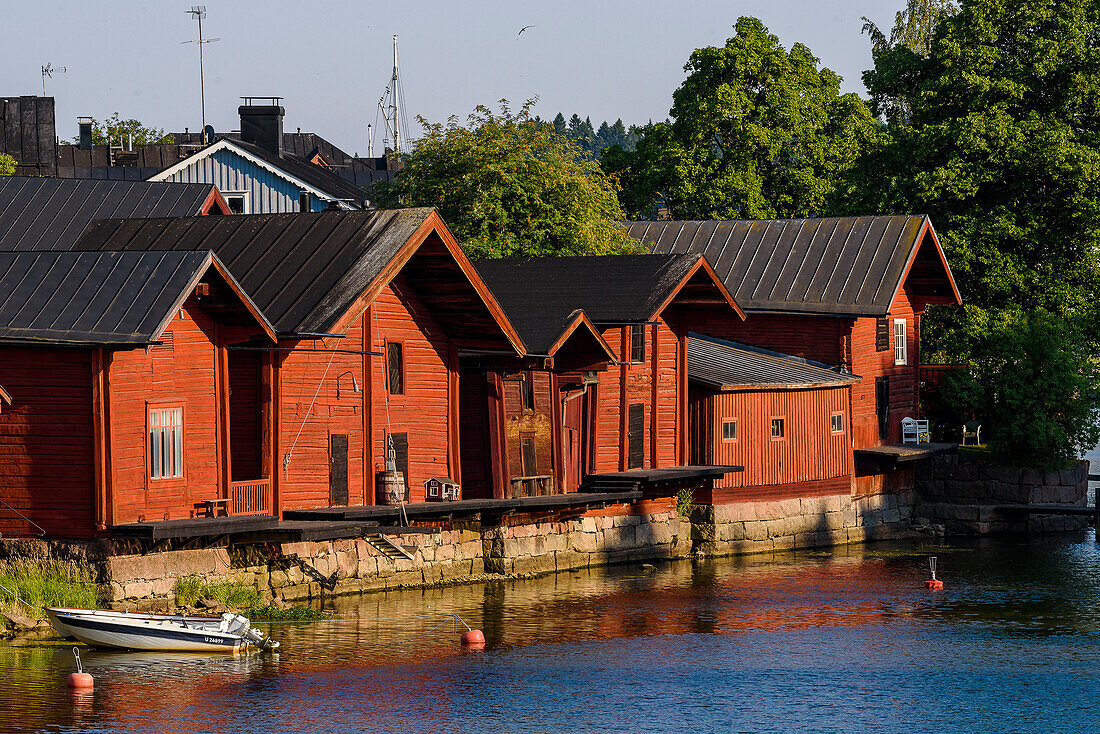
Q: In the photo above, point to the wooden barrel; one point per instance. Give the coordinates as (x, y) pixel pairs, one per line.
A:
(390, 488)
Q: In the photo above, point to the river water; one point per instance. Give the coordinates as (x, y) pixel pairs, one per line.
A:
(837, 641)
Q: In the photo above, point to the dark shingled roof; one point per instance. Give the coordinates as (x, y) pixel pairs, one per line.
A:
(723, 364)
(52, 213)
(541, 295)
(110, 298)
(841, 265)
(303, 270)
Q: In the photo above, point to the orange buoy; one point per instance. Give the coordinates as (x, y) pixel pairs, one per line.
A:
(80, 681)
(473, 639)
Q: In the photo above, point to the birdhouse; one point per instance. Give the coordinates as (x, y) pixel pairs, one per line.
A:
(440, 489)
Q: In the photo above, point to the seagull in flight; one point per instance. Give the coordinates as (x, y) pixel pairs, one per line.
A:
(521, 30)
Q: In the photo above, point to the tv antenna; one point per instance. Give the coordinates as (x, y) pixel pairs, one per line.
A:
(48, 71)
(198, 12)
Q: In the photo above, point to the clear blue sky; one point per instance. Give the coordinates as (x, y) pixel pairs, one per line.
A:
(331, 60)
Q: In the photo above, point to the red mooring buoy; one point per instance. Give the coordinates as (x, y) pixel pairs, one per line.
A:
(934, 584)
(80, 681)
(473, 639)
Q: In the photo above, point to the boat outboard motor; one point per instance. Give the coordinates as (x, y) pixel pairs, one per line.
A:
(233, 624)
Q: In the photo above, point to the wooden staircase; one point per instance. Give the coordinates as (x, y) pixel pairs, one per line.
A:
(387, 547)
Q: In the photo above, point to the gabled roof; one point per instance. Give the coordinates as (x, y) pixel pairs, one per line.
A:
(842, 265)
(540, 294)
(313, 178)
(726, 365)
(52, 213)
(308, 271)
(100, 298)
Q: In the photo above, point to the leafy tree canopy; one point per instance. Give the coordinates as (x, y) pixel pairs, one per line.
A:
(116, 130)
(1002, 149)
(1031, 380)
(507, 185)
(7, 164)
(757, 132)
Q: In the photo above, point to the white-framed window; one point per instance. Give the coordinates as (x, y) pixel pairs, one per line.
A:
(165, 443)
(778, 428)
(836, 422)
(901, 348)
(729, 429)
(239, 201)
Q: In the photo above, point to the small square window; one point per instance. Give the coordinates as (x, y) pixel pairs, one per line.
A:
(237, 201)
(729, 429)
(777, 428)
(637, 343)
(837, 422)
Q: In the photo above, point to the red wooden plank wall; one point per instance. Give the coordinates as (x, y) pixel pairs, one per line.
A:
(423, 412)
(46, 462)
(474, 434)
(820, 338)
(625, 385)
(181, 375)
(808, 452)
(869, 364)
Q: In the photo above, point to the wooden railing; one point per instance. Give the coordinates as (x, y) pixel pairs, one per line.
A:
(250, 498)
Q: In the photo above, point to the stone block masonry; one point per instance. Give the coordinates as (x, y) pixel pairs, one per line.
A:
(810, 522)
(958, 494)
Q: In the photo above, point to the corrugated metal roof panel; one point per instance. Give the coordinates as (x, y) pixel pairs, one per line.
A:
(838, 265)
(302, 270)
(541, 295)
(51, 213)
(723, 365)
(92, 297)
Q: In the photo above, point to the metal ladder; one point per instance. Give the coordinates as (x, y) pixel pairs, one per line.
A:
(387, 547)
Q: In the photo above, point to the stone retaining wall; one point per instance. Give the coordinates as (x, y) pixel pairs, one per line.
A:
(957, 495)
(811, 522)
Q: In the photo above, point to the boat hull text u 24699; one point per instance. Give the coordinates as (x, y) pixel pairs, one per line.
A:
(131, 631)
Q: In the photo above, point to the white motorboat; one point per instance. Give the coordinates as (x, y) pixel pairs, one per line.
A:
(133, 631)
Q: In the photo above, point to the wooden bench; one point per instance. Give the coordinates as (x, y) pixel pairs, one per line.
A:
(211, 507)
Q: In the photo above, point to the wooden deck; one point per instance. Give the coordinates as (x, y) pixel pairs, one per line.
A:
(649, 479)
(429, 510)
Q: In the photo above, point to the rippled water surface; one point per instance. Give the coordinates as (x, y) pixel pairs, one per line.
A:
(827, 642)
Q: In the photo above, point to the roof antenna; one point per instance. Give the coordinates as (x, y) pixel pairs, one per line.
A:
(198, 12)
(48, 71)
(396, 111)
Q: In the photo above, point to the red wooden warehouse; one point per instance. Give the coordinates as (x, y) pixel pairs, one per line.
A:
(372, 310)
(848, 292)
(115, 359)
(605, 387)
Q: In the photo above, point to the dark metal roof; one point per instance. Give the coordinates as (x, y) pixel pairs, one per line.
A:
(841, 265)
(28, 135)
(726, 365)
(317, 176)
(303, 270)
(119, 298)
(541, 295)
(51, 213)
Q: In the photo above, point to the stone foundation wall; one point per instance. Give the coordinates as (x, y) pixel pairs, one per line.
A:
(957, 495)
(303, 571)
(811, 522)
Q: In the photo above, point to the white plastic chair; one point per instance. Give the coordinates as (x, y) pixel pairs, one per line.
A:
(915, 431)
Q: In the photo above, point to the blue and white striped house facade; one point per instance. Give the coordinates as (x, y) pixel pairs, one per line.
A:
(249, 183)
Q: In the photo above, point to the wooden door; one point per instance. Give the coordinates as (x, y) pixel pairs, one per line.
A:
(572, 446)
(338, 469)
(635, 436)
(882, 406)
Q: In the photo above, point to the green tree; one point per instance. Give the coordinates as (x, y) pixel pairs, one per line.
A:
(1001, 146)
(910, 39)
(1032, 382)
(7, 164)
(757, 132)
(508, 186)
(116, 130)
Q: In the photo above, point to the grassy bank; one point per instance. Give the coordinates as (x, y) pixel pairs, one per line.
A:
(244, 598)
(46, 584)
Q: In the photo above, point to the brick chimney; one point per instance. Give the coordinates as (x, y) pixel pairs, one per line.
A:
(262, 124)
